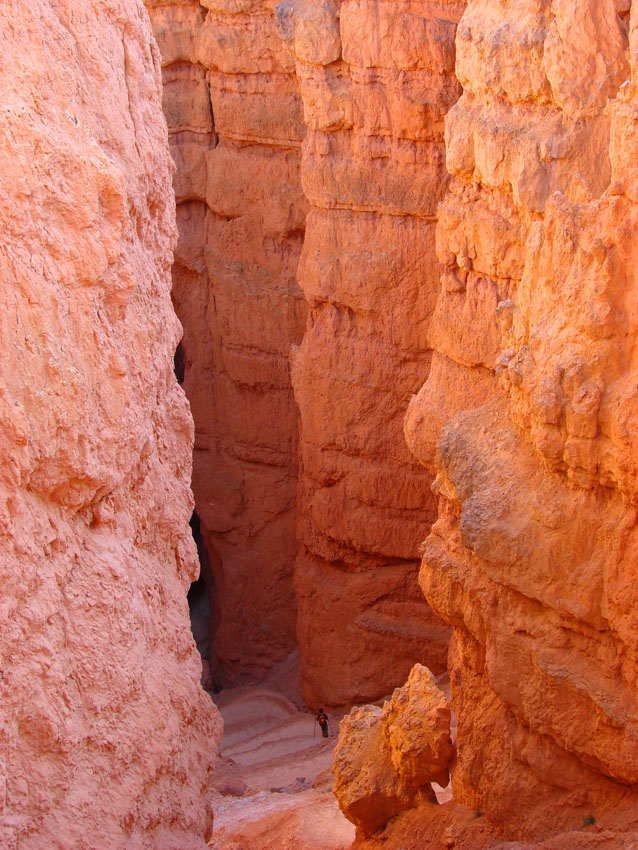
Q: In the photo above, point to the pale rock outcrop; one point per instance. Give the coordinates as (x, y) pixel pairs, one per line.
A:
(532, 558)
(376, 80)
(416, 723)
(386, 758)
(106, 738)
(235, 122)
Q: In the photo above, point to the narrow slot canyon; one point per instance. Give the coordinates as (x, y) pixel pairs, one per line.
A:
(346, 281)
(240, 213)
(318, 492)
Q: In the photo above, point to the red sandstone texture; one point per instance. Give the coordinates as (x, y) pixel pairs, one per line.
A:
(386, 759)
(376, 80)
(235, 123)
(106, 739)
(533, 557)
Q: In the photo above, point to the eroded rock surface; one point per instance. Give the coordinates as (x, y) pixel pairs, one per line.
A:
(386, 758)
(106, 738)
(376, 80)
(416, 723)
(235, 122)
(367, 787)
(532, 559)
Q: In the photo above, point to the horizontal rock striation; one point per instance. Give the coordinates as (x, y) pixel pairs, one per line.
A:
(532, 558)
(235, 119)
(106, 738)
(376, 80)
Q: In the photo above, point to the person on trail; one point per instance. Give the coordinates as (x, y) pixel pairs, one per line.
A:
(322, 720)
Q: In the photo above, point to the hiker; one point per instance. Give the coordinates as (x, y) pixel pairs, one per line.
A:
(322, 720)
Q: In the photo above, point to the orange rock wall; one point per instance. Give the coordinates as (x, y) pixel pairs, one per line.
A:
(373, 174)
(376, 80)
(235, 119)
(106, 738)
(533, 557)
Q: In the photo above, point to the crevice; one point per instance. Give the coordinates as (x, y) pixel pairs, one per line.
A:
(203, 605)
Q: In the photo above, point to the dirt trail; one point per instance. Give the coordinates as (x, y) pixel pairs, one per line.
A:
(273, 776)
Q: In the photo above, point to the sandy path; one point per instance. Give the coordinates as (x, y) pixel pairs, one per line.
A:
(273, 777)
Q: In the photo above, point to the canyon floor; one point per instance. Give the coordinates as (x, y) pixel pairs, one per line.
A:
(273, 782)
(273, 778)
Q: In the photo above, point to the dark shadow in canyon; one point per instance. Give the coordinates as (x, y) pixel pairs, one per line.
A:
(204, 610)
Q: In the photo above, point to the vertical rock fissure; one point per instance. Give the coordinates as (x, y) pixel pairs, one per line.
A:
(241, 216)
(203, 603)
(347, 101)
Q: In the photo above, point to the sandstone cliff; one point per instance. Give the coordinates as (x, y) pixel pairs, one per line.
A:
(106, 738)
(376, 80)
(235, 123)
(373, 173)
(527, 416)
(532, 559)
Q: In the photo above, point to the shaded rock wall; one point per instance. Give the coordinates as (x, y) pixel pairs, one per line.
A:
(373, 173)
(376, 80)
(532, 559)
(234, 115)
(95, 439)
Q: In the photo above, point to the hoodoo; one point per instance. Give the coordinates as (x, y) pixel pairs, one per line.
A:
(532, 559)
(400, 236)
(376, 80)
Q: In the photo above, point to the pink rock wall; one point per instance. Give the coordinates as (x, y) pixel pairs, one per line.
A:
(532, 559)
(106, 737)
(241, 217)
(376, 80)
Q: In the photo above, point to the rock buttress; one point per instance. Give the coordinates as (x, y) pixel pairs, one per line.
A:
(376, 80)
(106, 737)
(241, 216)
(533, 557)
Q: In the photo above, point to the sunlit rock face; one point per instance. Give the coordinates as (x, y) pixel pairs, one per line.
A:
(386, 759)
(106, 736)
(376, 80)
(533, 557)
(235, 123)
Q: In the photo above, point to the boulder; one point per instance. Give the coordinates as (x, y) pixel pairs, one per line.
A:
(386, 758)
(416, 724)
